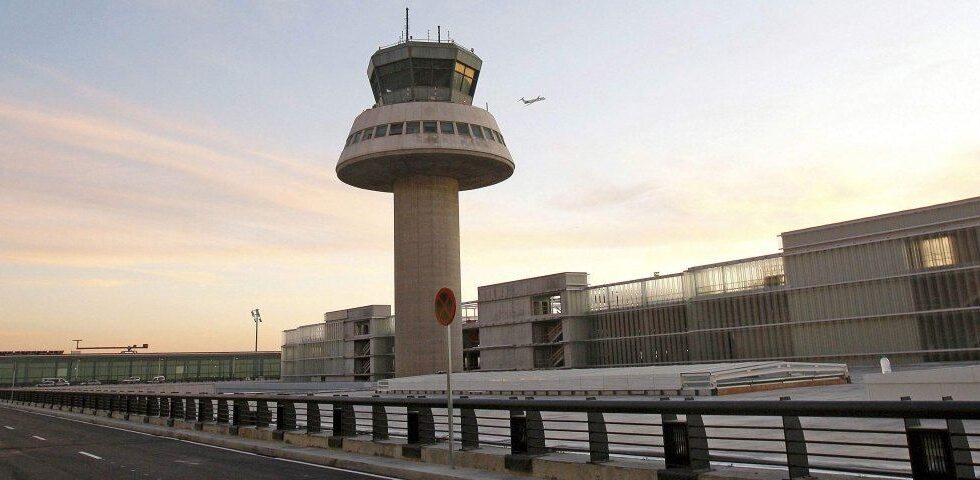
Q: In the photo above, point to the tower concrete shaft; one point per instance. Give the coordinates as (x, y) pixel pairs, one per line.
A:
(426, 259)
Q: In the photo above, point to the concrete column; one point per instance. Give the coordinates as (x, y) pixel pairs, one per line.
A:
(426, 259)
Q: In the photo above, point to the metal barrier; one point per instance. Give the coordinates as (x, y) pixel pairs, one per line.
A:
(903, 439)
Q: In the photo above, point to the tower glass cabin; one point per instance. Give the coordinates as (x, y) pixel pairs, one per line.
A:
(424, 72)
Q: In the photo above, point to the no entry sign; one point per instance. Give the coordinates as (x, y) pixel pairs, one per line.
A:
(445, 306)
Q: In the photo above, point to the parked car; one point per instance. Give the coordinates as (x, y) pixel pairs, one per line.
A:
(90, 382)
(131, 380)
(58, 382)
(46, 383)
(157, 379)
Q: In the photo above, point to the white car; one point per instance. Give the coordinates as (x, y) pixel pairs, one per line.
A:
(131, 380)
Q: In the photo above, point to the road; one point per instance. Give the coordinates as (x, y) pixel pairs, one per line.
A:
(39, 446)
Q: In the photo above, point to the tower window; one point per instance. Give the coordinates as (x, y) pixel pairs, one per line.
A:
(463, 128)
(395, 129)
(380, 131)
(464, 78)
(446, 127)
(488, 133)
(477, 131)
(500, 138)
(368, 133)
(357, 137)
(429, 126)
(411, 127)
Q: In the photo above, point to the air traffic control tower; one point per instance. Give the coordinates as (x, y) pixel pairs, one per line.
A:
(424, 141)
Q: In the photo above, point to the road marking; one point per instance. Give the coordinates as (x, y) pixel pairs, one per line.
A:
(90, 455)
(8, 427)
(40, 438)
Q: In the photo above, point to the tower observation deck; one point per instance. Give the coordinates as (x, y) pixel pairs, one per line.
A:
(424, 142)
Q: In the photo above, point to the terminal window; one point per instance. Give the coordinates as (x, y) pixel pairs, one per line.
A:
(477, 131)
(362, 328)
(935, 252)
(411, 127)
(446, 127)
(546, 305)
(429, 127)
(395, 129)
(463, 128)
(380, 131)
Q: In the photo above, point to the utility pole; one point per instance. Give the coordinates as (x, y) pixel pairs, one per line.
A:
(257, 319)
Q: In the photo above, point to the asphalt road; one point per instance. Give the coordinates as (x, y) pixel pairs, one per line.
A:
(43, 447)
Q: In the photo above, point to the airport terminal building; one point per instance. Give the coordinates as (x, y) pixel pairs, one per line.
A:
(904, 285)
(28, 368)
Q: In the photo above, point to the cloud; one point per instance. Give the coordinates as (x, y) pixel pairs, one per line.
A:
(81, 187)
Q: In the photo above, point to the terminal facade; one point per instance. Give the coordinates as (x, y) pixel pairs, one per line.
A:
(905, 285)
(28, 368)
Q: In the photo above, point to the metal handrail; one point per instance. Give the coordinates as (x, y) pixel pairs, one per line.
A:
(963, 410)
(539, 426)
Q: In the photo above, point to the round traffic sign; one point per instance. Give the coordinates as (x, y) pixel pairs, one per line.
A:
(445, 306)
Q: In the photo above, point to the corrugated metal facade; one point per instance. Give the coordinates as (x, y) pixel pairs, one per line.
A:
(904, 285)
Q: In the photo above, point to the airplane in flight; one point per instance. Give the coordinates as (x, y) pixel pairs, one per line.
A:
(528, 102)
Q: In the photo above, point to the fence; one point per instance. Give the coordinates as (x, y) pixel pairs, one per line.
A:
(901, 439)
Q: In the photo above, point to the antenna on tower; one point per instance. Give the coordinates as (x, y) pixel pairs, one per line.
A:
(406, 24)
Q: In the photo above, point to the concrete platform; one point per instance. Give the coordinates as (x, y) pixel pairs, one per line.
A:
(703, 380)
(961, 383)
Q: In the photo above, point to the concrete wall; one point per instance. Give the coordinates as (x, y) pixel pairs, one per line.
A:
(961, 383)
(506, 319)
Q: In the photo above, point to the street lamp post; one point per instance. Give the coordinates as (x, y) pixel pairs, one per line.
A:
(257, 319)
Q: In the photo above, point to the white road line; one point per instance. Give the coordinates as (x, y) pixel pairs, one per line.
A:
(90, 455)
(40, 438)
(8, 427)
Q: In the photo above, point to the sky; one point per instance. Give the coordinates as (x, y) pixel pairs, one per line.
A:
(167, 166)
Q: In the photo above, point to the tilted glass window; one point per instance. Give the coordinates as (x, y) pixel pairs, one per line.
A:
(477, 131)
(411, 127)
(500, 138)
(464, 78)
(488, 133)
(357, 137)
(446, 127)
(432, 72)
(380, 131)
(429, 126)
(395, 129)
(349, 139)
(368, 133)
(463, 128)
(395, 76)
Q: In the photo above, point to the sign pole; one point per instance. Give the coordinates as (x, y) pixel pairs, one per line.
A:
(445, 309)
(449, 392)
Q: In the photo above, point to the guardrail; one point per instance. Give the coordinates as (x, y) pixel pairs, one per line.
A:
(902, 439)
